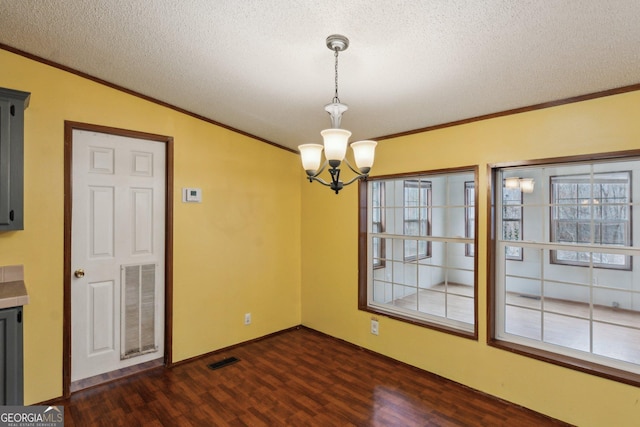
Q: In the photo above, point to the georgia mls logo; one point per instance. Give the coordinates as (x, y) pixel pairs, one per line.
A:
(31, 416)
(56, 411)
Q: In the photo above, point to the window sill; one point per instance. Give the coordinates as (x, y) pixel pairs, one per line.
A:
(472, 335)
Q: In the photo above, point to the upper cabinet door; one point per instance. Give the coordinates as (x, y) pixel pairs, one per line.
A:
(12, 106)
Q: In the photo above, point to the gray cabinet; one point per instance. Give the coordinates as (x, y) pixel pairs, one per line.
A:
(12, 106)
(11, 364)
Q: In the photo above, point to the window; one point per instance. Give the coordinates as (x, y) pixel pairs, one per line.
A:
(377, 223)
(591, 209)
(413, 267)
(417, 221)
(512, 220)
(573, 297)
(469, 215)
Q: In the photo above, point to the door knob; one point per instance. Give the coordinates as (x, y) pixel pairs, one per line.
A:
(79, 273)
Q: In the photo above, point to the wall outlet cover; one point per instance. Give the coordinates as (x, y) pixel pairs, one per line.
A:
(374, 327)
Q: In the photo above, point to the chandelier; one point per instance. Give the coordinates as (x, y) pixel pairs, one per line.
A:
(526, 185)
(336, 139)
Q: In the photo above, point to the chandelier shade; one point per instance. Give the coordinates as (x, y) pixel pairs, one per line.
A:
(311, 155)
(335, 144)
(364, 153)
(336, 140)
(526, 185)
(512, 183)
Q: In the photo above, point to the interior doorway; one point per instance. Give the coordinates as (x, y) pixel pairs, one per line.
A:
(118, 253)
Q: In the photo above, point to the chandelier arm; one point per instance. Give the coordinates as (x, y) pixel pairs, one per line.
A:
(359, 174)
(336, 185)
(356, 178)
(320, 180)
(319, 171)
(354, 170)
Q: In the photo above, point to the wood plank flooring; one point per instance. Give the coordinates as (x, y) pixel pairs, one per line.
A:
(296, 378)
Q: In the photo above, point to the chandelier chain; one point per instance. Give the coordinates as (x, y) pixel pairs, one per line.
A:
(335, 98)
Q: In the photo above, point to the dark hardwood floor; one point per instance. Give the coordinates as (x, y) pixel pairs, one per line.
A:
(297, 378)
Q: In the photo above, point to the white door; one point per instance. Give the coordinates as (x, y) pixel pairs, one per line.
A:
(117, 252)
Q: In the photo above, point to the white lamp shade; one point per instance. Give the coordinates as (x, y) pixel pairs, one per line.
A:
(311, 155)
(513, 182)
(527, 185)
(364, 152)
(335, 143)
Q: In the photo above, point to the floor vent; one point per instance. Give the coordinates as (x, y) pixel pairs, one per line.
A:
(224, 362)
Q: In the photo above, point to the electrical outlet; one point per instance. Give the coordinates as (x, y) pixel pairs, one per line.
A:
(247, 318)
(374, 326)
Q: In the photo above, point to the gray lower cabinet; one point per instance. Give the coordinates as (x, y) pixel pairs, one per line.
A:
(12, 106)
(11, 364)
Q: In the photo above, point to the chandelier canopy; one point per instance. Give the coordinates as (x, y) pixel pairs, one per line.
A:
(336, 139)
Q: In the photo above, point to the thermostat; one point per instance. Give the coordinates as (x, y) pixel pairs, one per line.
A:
(192, 195)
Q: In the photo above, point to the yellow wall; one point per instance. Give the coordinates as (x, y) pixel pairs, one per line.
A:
(237, 252)
(330, 248)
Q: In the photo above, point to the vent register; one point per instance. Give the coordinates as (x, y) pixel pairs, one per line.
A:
(138, 316)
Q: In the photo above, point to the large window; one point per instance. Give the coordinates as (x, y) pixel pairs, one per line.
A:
(413, 267)
(591, 209)
(574, 298)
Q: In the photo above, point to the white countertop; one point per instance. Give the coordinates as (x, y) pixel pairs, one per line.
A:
(13, 292)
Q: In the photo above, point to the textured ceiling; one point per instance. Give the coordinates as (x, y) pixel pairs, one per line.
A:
(262, 66)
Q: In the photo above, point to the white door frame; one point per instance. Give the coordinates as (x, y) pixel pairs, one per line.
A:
(69, 127)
